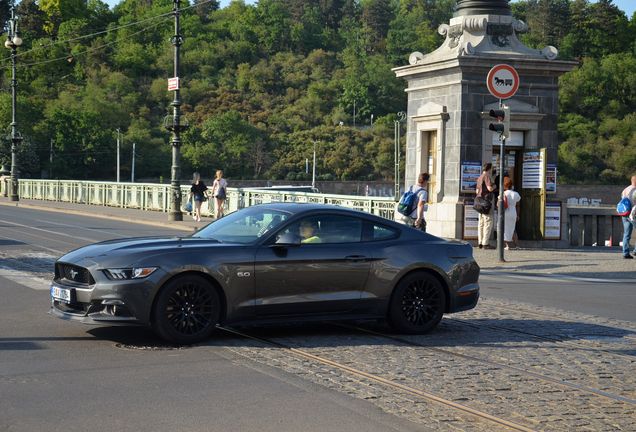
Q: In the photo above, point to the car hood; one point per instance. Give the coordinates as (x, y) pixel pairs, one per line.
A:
(131, 247)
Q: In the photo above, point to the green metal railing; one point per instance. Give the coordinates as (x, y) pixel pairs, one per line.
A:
(154, 197)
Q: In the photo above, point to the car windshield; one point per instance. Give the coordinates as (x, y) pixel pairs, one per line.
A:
(244, 226)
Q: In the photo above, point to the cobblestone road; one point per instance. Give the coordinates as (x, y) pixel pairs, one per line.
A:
(540, 368)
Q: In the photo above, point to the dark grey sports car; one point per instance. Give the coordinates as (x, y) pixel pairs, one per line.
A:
(279, 261)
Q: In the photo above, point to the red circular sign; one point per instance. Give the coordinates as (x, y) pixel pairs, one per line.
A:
(503, 81)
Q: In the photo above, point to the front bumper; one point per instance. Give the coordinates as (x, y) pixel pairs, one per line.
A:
(123, 302)
(95, 318)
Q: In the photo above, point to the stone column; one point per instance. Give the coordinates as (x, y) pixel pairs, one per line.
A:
(447, 96)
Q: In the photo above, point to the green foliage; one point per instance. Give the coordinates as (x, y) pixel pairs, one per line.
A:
(262, 83)
(598, 125)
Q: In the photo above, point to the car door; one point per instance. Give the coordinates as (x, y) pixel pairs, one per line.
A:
(325, 274)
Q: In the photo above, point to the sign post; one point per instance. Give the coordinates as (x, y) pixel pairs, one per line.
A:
(174, 84)
(502, 82)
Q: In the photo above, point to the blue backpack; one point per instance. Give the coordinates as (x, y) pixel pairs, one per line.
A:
(408, 202)
(624, 207)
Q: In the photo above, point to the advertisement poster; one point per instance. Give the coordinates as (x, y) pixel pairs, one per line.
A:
(551, 178)
(470, 173)
(471, 221)
(552, 221)
(532, 171)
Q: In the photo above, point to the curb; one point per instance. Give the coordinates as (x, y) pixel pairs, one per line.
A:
(559, 276)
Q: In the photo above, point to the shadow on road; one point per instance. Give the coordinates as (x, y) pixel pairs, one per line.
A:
(486, 332)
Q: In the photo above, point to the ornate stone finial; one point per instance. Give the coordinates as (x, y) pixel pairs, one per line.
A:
(482, 7)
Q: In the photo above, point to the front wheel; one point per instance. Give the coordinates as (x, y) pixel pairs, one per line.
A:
(187, 310)
(417, 304)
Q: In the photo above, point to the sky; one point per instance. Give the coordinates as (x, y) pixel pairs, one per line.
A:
(627, 6)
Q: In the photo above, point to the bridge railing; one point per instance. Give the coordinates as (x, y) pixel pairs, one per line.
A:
(152, 196)
(584, 225)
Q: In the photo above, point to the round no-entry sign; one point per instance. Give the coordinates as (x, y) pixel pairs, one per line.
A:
(502, 81)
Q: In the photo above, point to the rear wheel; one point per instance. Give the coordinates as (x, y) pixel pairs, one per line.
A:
(417, 304)
(187, 310)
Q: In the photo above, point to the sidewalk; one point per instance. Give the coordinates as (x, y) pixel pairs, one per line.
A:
(584, 262)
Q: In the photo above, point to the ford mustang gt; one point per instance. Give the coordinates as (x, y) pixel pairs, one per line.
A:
(270, 262)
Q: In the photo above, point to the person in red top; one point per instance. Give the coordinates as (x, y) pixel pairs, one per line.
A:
(484, 187)
(628, 222)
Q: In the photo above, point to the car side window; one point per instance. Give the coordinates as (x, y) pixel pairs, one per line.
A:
(340, 229)
(382, 232)
(326, 229)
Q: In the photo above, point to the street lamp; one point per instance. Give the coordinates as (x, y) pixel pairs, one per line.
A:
(118, 132)
(174, 123)
(401, 116)
(313, 170)
(13, 42)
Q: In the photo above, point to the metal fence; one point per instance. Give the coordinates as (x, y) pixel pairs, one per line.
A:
(154, 197)
(584, 225)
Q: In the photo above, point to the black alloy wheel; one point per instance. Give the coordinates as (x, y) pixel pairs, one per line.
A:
(418, 303)
(187, 310)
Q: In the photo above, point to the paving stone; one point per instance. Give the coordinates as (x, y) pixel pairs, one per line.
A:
(473, 380)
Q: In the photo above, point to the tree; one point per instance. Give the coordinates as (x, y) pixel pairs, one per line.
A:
(377, 16)
(597, 102)
(597, 29)
(548, 21)
(32, 20)
(230, 143)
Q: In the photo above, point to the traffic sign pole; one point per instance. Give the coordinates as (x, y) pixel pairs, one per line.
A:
(500, 205)
(502, 82)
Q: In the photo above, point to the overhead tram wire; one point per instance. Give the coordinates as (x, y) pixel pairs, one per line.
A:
(60, 42)
(88, 50)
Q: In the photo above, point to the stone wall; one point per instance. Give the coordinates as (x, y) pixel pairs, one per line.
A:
(604, 194)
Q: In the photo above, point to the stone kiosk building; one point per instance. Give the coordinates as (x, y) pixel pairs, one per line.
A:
(448, 102)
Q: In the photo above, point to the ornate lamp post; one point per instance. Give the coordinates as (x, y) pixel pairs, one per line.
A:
(175, 124)
(13, 42)
(401, 116)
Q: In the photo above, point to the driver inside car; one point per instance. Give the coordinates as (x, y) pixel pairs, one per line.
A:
(308, 232)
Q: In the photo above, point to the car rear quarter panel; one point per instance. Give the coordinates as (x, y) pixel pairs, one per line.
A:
(452, 263)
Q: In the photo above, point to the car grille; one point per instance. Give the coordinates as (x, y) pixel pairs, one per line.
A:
(73, 273)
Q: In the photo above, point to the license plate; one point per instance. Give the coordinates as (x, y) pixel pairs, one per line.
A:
(61, 294)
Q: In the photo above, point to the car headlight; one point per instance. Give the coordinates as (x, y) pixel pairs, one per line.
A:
(129, 273)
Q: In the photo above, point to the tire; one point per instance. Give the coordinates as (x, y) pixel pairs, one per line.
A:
(417, 304)
(187, 310)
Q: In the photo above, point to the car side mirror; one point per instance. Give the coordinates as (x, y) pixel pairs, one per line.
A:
(288, 239)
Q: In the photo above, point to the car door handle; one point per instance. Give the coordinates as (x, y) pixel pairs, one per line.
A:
(356, 258)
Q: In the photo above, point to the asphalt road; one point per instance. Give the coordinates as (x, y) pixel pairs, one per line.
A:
(62, 376)
(604, 298)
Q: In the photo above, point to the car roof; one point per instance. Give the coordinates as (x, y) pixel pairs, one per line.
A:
(296, 208)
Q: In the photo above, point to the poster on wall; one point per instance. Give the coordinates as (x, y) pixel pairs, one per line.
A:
(551, 178)
(471, 221)
(533, 170)
(552, 221)
(470, 173)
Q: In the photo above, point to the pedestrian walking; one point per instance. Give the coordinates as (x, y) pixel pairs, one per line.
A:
(422, 202)
(511, 215)
(484, 189)
(628, 221)
(198, 194)
(219, 192)
(416, 218)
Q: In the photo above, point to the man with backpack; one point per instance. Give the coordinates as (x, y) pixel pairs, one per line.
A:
(410, 210)
(628, 220)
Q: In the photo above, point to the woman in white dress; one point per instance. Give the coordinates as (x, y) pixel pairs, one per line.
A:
(511, 216)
